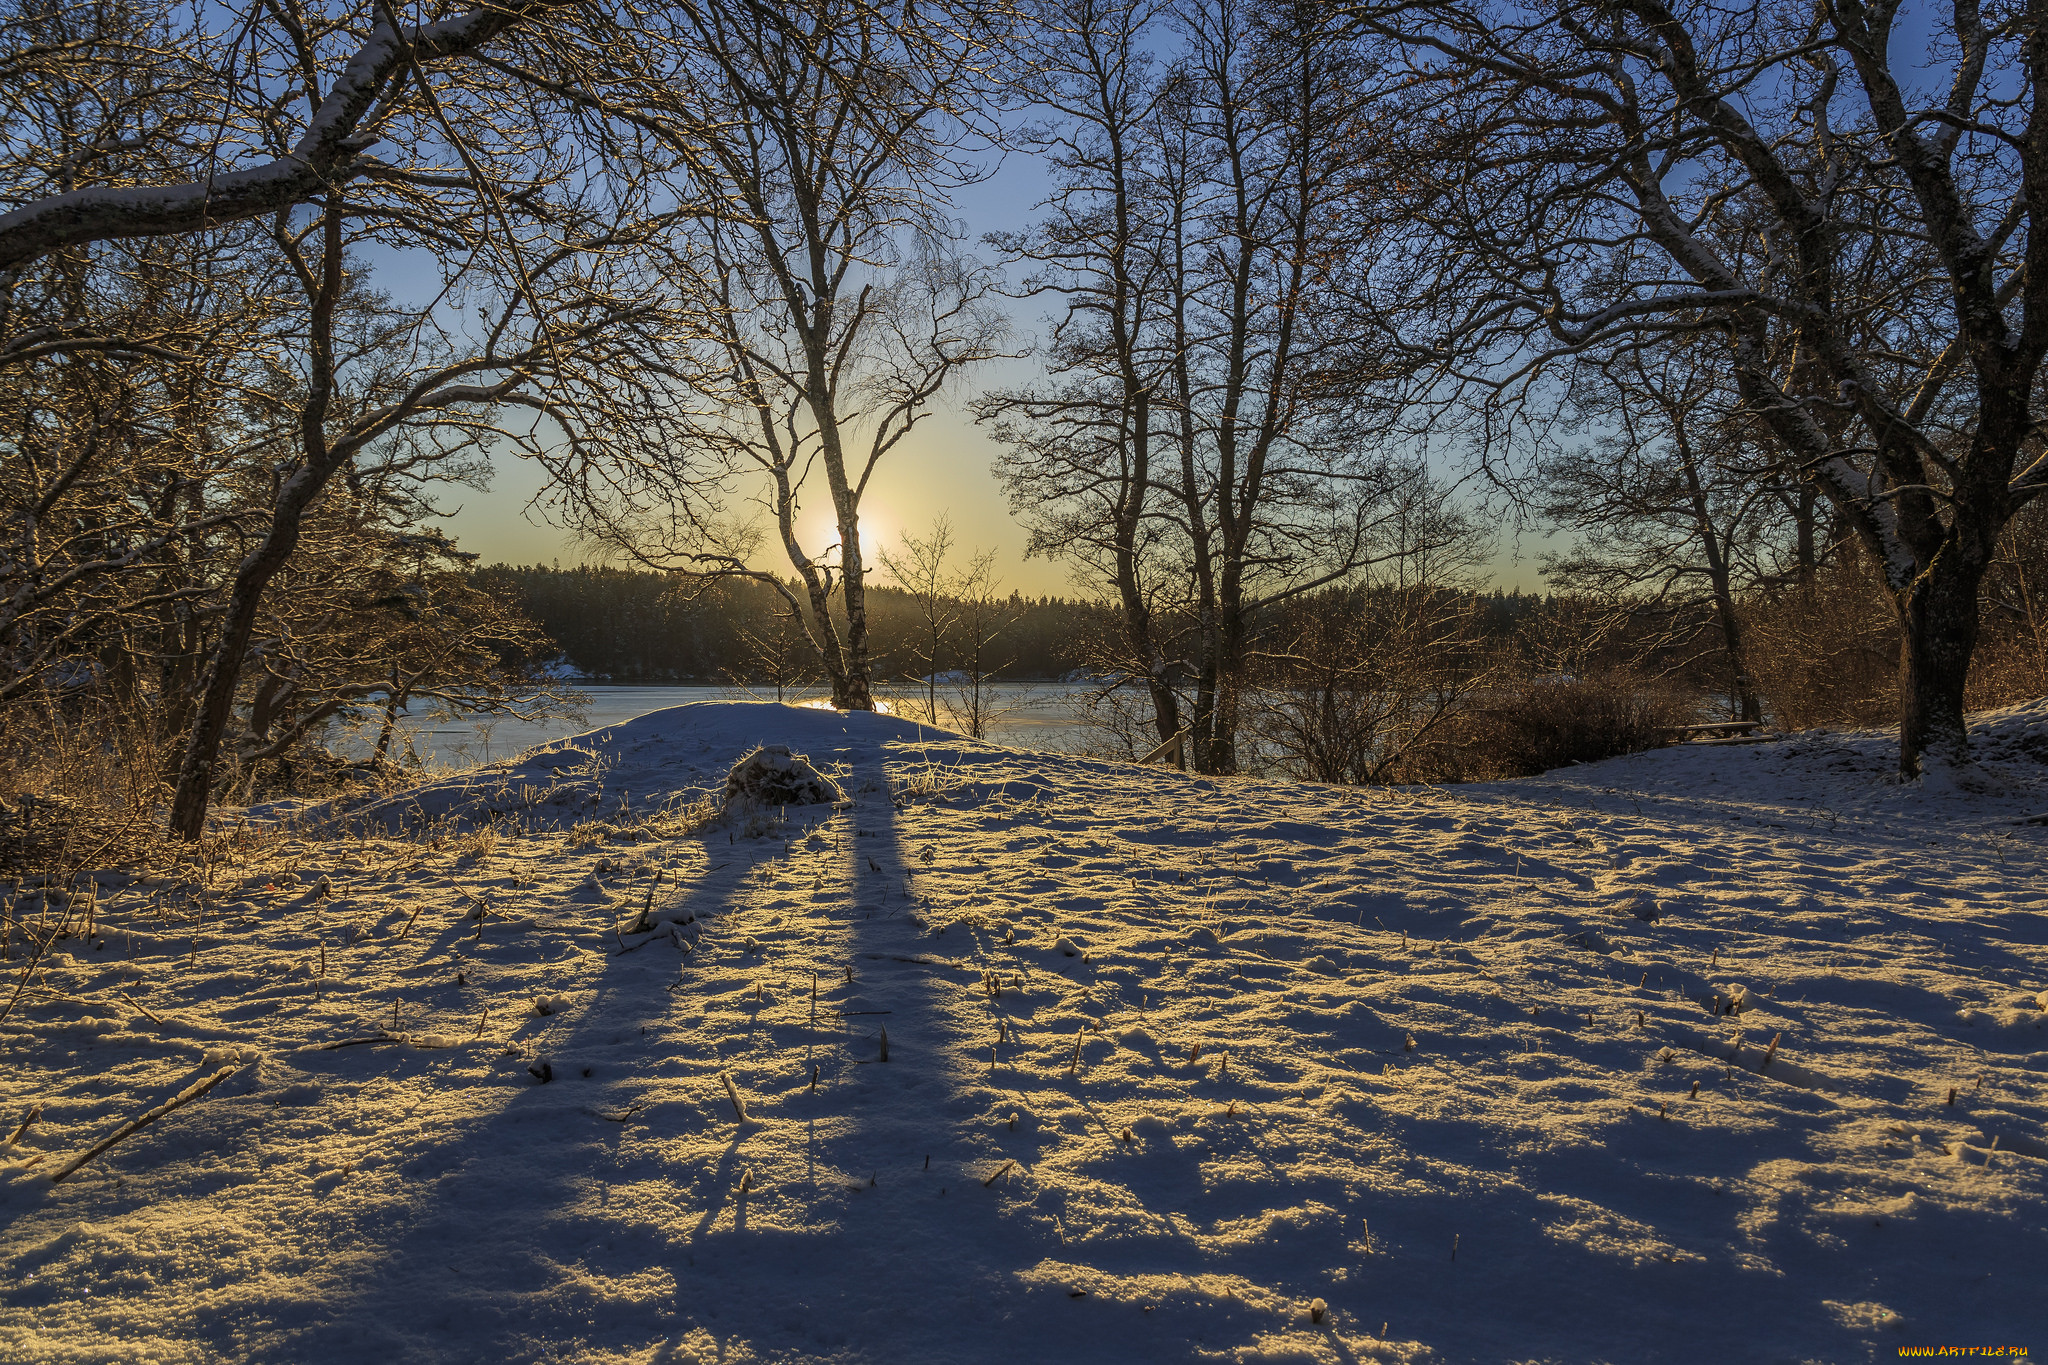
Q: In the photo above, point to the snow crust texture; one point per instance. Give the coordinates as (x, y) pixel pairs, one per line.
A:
(1041, 1058)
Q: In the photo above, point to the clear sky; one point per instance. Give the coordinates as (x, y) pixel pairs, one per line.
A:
(943, 468)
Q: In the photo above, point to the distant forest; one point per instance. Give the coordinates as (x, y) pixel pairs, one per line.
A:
(632, 625)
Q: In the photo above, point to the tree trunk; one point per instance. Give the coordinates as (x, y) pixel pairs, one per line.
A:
(319, 460)
(393, 703)
(852, 690)
(824, 632)
(1228, 670)
(216, 708)
(1747, 702)
(1938, 620)
(1203, 734)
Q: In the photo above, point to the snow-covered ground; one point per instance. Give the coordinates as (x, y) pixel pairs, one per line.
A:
(1167, 1060)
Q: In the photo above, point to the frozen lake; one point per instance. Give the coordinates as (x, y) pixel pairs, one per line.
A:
(1034, 716)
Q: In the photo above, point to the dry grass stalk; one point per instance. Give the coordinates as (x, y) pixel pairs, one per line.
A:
(28, 1121)
(135, 1125)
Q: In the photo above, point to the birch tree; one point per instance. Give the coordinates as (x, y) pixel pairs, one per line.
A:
(830, 302)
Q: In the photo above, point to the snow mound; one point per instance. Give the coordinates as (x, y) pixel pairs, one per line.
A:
(773, 776)
(1839, 781)
(621, 772)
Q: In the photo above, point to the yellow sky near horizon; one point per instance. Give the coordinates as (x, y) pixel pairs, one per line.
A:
(942, 468)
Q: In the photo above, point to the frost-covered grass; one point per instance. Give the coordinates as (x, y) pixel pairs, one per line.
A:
(1169, 1063)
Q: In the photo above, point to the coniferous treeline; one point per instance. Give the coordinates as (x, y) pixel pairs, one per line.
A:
(634, 625)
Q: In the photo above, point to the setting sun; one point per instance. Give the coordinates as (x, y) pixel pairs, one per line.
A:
(817, 532)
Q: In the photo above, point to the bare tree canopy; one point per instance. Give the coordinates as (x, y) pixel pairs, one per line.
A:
(823, 302)
(332, 149)
(1864, 246)
(1199, 447)
(183, 393)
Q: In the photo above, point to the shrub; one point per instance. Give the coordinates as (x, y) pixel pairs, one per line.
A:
(1544, 723)
(79, 784)
(1826, 651)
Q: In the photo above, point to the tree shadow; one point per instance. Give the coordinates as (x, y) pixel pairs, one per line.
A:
(882, 1223)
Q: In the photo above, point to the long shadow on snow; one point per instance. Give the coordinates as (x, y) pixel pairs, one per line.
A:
(549, 1239)
(552, 1230)
(550, 1226)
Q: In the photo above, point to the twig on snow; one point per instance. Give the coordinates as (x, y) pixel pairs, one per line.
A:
(135, 1125)
(360, 1042)
(35, 1111)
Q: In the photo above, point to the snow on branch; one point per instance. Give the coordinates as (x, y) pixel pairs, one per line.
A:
(328, 152)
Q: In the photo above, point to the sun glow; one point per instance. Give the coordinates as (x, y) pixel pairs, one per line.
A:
(825, 704)
(818, 533)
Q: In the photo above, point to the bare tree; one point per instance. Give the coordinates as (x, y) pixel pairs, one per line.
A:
(1669, 509)
(831, 304)
(1368, 681)
(2017, 593)
(373, 620)
(1280, 493)
(919, 568)
(983, 616)
(779, 653)
(285, 372)
(1771, 175)
(1082, 447)
(240, 173)
(1198, 448)
(121, 368)
(416, 394)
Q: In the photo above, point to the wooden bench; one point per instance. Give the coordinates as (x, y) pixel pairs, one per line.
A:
(1717, 732)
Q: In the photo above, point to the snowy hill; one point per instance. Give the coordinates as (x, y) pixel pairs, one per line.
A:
(1049, 1059)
